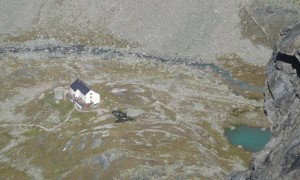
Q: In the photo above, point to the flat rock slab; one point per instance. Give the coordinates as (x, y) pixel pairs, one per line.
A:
(59, 93)
(134, 112)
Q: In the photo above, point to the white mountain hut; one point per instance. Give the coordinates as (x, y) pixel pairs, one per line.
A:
(82, 95)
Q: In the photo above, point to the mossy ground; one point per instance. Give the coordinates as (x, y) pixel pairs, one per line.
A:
(7, 172)
(183, 123)
(70, 35)
(252, 30)
(251, 74)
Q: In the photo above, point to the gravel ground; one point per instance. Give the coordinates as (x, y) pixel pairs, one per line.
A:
(193, 28)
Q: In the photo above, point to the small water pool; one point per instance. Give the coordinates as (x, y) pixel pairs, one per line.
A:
(252, 139)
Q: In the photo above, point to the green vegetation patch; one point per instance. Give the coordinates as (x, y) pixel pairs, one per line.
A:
(226, 151)
(5, 137)
(41, 109)
(12, 173)
(83, 116)
(251, 74)
(252, 30)
(32, 132)
(6, 93)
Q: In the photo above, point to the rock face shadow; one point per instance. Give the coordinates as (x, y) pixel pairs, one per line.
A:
(292, 60)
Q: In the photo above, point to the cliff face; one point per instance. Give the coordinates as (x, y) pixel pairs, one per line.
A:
(281, 157)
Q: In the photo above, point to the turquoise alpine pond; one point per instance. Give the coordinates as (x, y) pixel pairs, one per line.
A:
(252, 139)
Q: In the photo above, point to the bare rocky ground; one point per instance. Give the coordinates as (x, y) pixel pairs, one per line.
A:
(180, 115)
(180, 109)
(196, 28)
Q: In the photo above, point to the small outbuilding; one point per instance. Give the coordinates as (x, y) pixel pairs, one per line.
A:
(82, 95)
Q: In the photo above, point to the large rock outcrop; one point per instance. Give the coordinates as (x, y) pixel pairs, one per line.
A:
(281, 157)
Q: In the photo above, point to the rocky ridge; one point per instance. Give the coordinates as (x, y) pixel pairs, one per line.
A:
(281, 157)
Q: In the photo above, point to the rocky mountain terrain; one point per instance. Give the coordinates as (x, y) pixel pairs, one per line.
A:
(180, 112)
(196, 28)
(183, 70)
(281, 157)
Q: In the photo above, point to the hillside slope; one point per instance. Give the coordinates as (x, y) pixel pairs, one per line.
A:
(194, 28)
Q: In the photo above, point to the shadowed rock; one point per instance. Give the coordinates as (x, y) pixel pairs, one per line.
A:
(121, 116)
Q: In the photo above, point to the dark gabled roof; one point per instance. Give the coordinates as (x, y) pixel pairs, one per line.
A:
(78, 84)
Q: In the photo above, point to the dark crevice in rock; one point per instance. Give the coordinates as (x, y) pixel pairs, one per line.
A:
(292, 60)
(269, 89)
